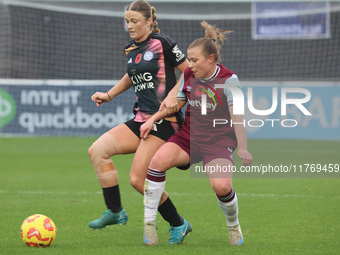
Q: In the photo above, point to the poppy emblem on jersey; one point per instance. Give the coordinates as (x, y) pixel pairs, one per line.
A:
(148, 56)
(138, 58)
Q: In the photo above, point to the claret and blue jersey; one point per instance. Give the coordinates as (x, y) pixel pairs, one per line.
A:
(198, 126)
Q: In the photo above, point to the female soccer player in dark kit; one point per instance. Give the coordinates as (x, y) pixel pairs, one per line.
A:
(151, 61)
(198, 140)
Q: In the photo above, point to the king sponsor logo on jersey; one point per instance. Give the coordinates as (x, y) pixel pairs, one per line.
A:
(142, 81)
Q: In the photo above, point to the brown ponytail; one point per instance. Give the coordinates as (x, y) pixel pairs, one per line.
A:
(212, 42)
(154, 24)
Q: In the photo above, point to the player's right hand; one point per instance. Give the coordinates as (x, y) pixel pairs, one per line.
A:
(100, 97)
(246, 157)
(145, 129)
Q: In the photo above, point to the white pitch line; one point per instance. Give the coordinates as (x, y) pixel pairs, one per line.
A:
(41, 192)
(253, 195)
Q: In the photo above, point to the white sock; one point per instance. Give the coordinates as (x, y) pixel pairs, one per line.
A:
(230, 210)
(153, 191)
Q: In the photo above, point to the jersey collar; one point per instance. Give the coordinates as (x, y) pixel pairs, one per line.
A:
(217, 71)
(143, 42)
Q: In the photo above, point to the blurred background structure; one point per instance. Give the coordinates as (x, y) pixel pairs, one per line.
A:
(55, 54)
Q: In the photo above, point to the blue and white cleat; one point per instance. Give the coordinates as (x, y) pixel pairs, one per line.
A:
(235, 235)
(150, 233)
(109, 218)
(178, 233)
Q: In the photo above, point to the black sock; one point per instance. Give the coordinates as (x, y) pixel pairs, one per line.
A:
(170, 214)
(112, 199)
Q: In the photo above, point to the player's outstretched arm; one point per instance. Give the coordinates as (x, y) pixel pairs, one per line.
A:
(148, 125)
(170, 102)
(241, 137)
(103, 97)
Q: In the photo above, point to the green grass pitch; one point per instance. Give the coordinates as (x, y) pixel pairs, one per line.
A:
(53, 176)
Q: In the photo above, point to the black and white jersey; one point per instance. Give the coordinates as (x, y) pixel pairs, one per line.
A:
(151, 68)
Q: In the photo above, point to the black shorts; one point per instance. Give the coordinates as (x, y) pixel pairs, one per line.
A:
(164, 129)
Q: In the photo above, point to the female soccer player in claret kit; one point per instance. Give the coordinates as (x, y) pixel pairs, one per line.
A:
(151, 61)
(197, 139)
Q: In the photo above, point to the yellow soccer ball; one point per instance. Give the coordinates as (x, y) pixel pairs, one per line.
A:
(38, 231)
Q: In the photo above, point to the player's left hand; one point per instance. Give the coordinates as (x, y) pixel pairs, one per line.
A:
(245, 156)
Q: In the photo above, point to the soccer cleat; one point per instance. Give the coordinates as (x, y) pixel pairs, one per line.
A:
(178, 233)
(109, 218)
(235, 235)
(150, 233)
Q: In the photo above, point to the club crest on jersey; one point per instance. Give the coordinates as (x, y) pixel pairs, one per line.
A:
(200, 89)
(138, 58)
(211, 92)
(148, 56)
